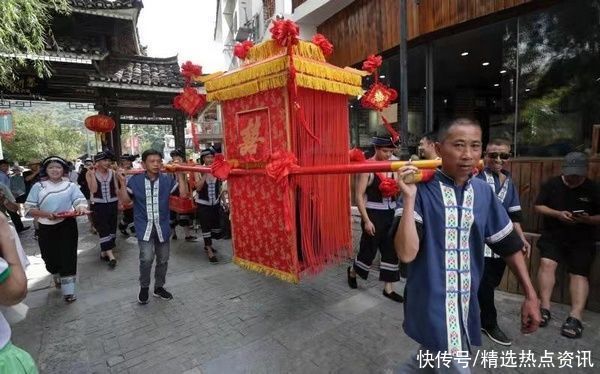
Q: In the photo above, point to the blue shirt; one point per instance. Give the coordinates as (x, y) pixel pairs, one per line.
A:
(4, 179)
(507, 194)
(453, 223)
(151, 205)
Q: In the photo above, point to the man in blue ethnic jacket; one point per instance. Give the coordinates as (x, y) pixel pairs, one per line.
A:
(150, 195)
(440, 230)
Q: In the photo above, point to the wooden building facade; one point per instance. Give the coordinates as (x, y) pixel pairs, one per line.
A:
(498, 61)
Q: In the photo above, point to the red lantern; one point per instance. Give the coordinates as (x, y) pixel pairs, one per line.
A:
(100, 123)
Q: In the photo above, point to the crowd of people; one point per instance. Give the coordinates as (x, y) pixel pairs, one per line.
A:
(451, 237)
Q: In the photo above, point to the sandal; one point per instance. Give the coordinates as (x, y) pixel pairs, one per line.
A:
(546, 316)
(572, 328)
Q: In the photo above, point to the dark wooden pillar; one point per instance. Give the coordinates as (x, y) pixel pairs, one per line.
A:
(403, 102)
(178, 129)
(115, 135)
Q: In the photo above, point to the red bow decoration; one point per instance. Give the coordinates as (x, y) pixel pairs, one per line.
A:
(323, 43)
(388, 186)
(372, 63)
(189, 101)
(356, 155)
(279, 167)
(220, 168)
(190, 71)
(285, 32)
(241, 49)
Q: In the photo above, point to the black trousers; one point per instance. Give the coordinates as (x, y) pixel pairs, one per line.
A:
(209, 219)
(389, 269)
(492, 275)
(16, 218)
(58, 244)
(105, 221)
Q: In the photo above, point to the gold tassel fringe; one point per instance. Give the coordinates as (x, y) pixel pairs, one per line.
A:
(253, 266)
(249, 88)
(327, 71)
(270, 48)
(248, 73)
(321, 84)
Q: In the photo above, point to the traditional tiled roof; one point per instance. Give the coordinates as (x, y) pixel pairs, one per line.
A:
(139, 72)
(77, 46)
(105, 4)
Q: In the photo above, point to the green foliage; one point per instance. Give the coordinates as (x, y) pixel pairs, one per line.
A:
(24, 25)
(39, 136)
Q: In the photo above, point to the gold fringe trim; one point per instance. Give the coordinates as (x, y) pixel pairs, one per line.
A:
(288, 277)
(327, 71)
(249, 88)
(248, 73)
(321, 84)
(270, 48)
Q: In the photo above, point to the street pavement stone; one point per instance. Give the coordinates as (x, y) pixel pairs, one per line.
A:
(224, 319)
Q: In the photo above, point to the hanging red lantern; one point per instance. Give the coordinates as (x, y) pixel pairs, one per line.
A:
(100, 123)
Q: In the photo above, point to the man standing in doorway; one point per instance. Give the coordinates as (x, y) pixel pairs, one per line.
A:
(427, 147)
(570, 204)
(149, 193)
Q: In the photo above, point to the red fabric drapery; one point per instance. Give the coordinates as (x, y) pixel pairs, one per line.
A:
(322, 200)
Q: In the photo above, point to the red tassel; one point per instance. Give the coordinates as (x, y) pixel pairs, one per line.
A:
(372, 63)
(393, 133)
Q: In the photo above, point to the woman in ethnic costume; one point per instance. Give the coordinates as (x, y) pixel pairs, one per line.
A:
(57, 236)
(208, 206)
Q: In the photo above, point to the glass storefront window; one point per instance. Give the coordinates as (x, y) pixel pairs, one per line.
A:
(559, 82)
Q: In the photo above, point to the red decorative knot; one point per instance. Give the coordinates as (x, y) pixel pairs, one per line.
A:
(285, 32)
(323, 43)
(100, 123)
(190, 71)
(189, 101)
(378, 97)
(241, 49)
(372, 63)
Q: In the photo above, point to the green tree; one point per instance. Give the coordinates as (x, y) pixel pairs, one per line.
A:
(38, 136)
(24, 25)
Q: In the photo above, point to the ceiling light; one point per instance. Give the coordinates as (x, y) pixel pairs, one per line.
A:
(382, 77)
(496, 84)
(502, 71)
(464, 54)
(425, 87)
(527, 89)
(485, 63)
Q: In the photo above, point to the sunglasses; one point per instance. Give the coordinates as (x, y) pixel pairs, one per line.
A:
(495, 155)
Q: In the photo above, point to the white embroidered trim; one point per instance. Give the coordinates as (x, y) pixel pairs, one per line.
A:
(457, 262)
(500, 234)
(386, 205)
(152, 209)
(515, 208)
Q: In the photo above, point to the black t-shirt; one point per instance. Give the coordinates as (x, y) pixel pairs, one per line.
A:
(556, 195)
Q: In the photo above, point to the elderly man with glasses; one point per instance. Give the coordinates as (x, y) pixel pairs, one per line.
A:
(496, 157)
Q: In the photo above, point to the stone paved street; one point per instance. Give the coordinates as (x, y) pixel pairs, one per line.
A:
(224, 319)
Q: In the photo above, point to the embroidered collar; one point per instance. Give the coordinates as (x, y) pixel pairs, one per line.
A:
(446, 179)
(505, 172)
(148, 177)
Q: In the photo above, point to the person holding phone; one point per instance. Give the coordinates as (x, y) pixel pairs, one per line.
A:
(570, 205)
